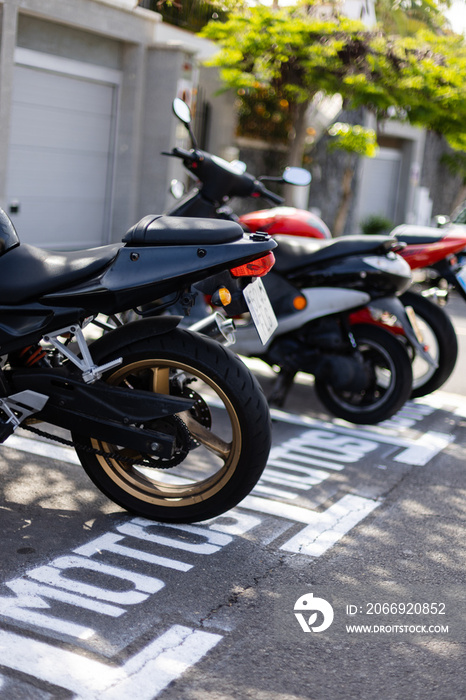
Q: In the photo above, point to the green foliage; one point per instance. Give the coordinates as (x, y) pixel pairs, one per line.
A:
(261, 111)
(456, 163)
(406, 17)
(286, 49)
(353, 138)
(376, 225)
(294, 52)
(188, 14)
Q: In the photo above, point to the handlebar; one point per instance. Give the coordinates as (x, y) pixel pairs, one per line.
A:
(264, 192)
(191, 156)
(220, 179)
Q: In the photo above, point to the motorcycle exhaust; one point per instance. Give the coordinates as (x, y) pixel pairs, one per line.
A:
(216, 326)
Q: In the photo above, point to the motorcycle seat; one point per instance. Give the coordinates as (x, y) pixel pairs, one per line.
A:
(418, 235)
(156, 229)
(420, 238)
(295, 252)
(27, 272)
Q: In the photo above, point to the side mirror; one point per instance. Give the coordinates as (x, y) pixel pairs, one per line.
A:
(181, 110)
(296, 176)
(441, 220)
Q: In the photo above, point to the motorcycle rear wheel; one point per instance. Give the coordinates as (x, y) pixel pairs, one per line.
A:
(226, 434)
(390, 384)
(439, 336)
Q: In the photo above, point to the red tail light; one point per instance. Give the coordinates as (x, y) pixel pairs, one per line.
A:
(255, 268)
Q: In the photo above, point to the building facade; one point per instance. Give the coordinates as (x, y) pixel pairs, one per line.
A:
(85, 110)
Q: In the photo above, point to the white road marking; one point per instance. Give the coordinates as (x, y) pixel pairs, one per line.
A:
(143, 676)
(325, 529)
(445, 400)
(370, 432)
(281, 510)
(42, 448)
(425, 448)
(417, 452)
(166, 658)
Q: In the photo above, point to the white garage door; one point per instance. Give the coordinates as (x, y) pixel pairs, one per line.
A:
(60, 161)
(380, 185)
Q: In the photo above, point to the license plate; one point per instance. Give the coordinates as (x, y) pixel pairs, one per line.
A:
(461, 277)
(260, 309)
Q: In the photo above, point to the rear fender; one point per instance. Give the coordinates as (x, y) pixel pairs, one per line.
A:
(114, 341)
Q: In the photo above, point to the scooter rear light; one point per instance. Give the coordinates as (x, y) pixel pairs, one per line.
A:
(255, 268)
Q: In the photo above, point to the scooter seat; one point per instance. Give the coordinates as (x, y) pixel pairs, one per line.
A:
(418, 235)
(27, 272)
(420, 238)
(156, 229)
(295, 252)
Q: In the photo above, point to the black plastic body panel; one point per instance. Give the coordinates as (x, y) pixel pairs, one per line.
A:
(25, 324)
(138, 275)
(194, 204)
(142, 274)
(350, 273)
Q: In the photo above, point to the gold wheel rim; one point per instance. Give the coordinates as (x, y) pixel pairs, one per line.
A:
(138, 483)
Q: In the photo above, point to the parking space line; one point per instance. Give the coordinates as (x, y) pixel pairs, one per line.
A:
(143, 676)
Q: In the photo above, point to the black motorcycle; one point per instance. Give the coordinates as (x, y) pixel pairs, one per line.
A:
(167, 423)
(362, 372)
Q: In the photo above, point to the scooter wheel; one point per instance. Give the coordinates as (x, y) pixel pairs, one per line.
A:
(389, 382)
(222, 442)
(440, 339)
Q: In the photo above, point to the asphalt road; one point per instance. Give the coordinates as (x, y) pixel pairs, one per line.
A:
(340, 576)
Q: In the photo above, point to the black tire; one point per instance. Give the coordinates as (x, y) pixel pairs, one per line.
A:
(440, 340)
(390, 384)
(230, 421)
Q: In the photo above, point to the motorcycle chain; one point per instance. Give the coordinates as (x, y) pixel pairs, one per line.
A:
(144, 459)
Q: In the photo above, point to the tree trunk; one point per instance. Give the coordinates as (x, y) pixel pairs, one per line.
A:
(345, 202)
(296, 152)
(460, 197)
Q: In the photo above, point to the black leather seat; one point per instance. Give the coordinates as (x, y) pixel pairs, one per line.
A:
(27, 272)
(294, 252)
(157, 229)
(420, 238)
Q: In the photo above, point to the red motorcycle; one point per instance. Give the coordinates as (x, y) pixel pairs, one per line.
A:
(424, 247)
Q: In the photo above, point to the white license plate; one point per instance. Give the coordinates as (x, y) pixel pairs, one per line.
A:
(260, 309)
(461, 277)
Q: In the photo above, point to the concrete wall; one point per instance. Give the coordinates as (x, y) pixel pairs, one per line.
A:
(152, 59)
(446, 190)
(61, 40)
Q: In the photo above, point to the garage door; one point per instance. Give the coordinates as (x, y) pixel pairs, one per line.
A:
(380, 185)
(60, 160)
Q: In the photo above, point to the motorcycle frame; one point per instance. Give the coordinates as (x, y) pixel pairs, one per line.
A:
(71, 396)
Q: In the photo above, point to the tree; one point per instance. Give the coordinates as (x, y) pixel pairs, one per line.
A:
(350, 140)
(188, 14)
(406, 17)
(290, 54)
(278, 60)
